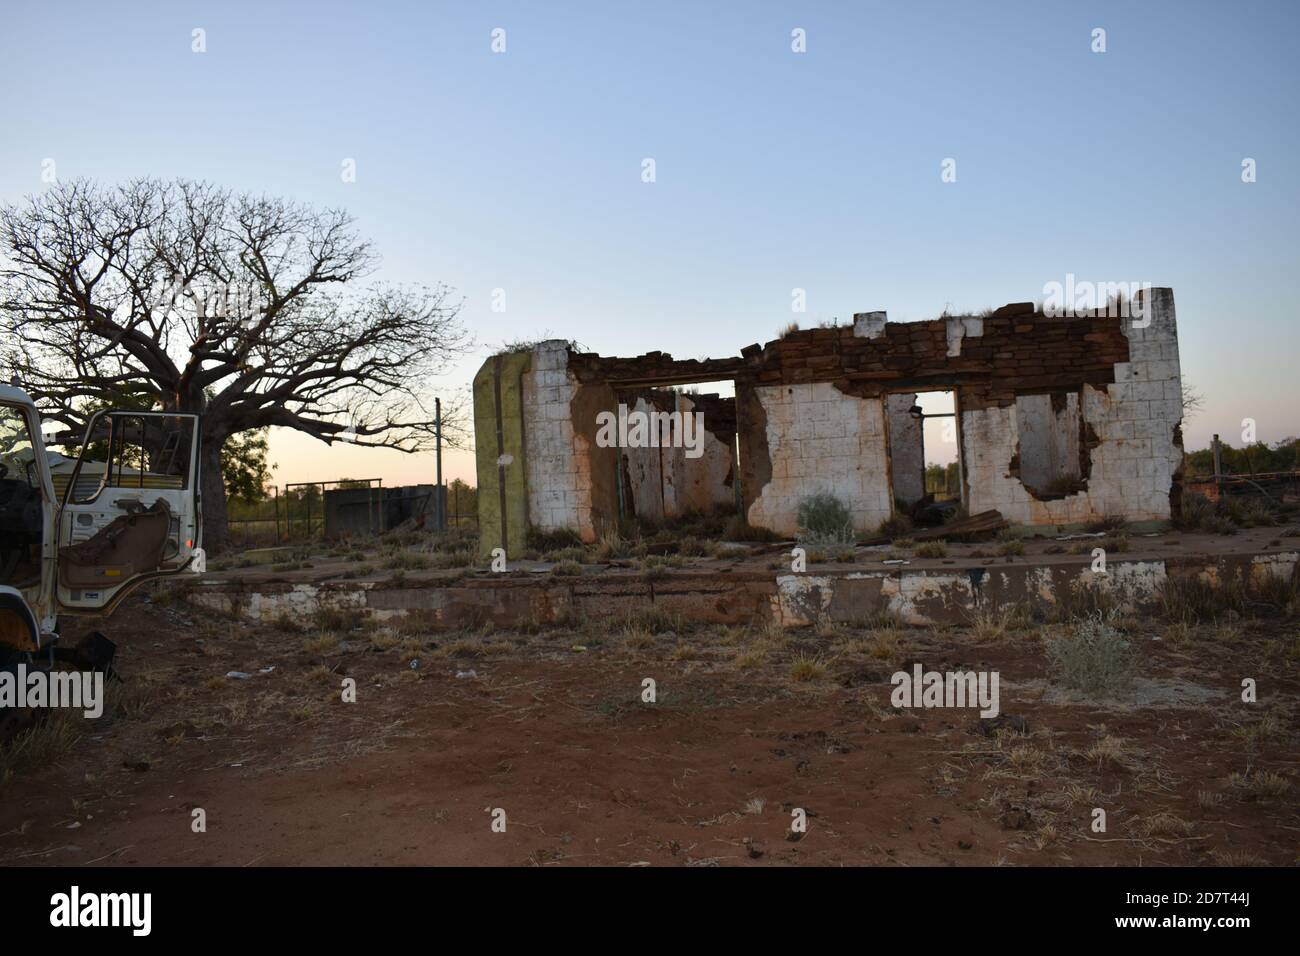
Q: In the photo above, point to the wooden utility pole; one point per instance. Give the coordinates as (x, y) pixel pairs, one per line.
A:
(439, 493)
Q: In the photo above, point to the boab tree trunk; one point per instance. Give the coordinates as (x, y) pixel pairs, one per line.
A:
(212, 491)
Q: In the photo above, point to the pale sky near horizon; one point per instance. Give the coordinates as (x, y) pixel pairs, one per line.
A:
(775, 170)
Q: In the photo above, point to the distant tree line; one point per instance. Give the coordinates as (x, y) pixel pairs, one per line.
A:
(1254, 459)
(942, 479)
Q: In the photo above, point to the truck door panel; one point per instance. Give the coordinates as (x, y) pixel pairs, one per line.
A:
(130, 507)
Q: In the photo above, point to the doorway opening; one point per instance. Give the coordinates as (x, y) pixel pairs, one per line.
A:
(924, 456)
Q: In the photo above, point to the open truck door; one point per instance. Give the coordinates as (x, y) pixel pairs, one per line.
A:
(131, 508)
(27, 507)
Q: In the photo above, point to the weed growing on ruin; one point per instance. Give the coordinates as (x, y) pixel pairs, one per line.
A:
(1198, 513)
(1111, 544)
(895, 528)
(991, 623)
(825, 515)
(406, 561)
(1194, 600)
(1109, 523)
(825, 528)
(542, 541)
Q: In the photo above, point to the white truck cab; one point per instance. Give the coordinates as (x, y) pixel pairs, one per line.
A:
(76, 538)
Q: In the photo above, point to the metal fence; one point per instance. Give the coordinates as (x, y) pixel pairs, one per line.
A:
(307, 511)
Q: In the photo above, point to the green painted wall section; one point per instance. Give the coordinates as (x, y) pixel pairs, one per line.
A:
(488, 447)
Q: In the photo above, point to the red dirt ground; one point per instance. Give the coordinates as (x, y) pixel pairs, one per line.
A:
(588, 774)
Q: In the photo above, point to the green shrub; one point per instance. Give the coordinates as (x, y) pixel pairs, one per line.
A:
(1249, 512)
(825, 518)
(1093, 656)
(1193, 512)
(1198, 513)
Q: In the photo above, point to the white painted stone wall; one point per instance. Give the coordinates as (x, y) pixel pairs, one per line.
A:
(1133, 467)
(821, 440)
(557, 457)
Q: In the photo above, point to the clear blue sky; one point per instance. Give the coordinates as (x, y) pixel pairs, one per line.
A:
(775, 170)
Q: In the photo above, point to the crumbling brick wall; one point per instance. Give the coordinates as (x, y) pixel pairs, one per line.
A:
(810, 415)
(1131, 423)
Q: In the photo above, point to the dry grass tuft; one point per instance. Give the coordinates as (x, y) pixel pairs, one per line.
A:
(754, 656)
(1165, 824)
(54, 735)
(1260, 784)
(804, 669)
(1110, 753)
(321, 644)
(931, 549)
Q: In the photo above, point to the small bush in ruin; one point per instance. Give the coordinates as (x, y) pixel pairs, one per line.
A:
(825, 518)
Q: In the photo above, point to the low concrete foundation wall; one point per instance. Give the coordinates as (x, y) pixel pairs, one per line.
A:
(917, 596)
(734, 598)
(953, 597)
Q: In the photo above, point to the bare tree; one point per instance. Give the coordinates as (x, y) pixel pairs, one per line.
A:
(1192, 400)
(247, 309)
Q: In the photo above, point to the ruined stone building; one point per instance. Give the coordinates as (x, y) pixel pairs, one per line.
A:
(1059, 420)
